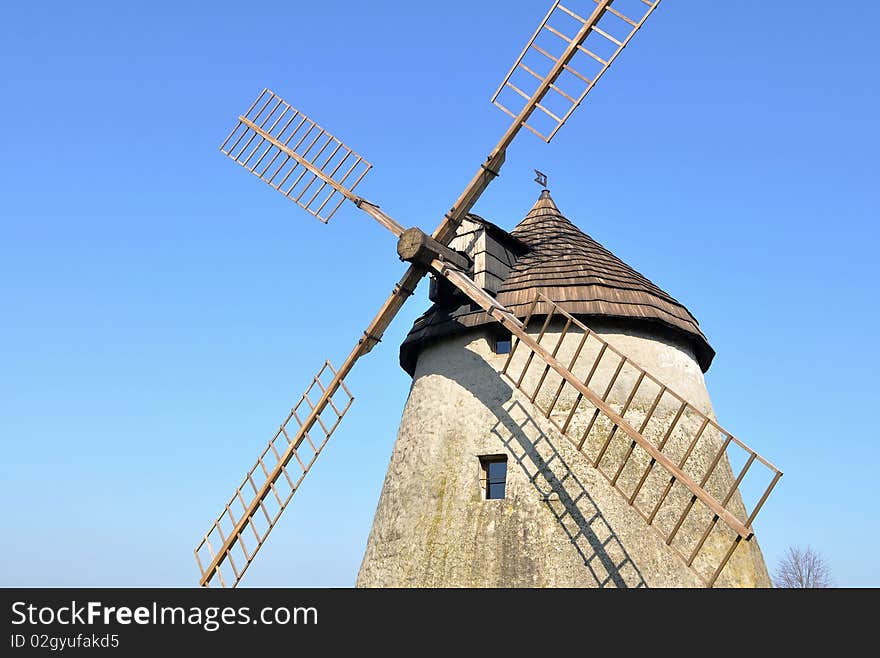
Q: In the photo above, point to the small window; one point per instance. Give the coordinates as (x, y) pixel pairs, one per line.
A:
(501, 344)
(494, 476)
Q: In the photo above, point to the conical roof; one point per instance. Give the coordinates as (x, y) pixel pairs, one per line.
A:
(578, 274)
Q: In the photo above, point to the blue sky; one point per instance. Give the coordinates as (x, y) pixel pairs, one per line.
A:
(162, 309)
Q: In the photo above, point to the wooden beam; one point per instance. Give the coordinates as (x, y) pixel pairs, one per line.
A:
(383, 218)
(416, 247)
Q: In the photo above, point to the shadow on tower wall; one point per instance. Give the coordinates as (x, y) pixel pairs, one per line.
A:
(563, 493)
(566, 497)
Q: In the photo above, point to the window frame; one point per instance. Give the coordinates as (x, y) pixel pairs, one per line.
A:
(486, 480)
(505, 337)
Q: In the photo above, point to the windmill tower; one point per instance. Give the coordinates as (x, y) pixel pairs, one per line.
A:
(483, 490)
(558, 431)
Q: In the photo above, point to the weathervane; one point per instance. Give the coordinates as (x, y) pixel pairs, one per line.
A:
(541, 179)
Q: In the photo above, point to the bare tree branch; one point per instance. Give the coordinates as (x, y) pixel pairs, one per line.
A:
(803, 569)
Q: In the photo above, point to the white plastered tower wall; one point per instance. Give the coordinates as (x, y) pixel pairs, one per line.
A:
(560, 524)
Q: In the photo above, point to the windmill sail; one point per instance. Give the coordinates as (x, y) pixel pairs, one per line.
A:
(294, 155)
(247, 519)
(659, 480)
(662, 481)
(564, 60)
(557, 74)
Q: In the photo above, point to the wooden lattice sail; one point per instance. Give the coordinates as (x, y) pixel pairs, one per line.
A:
(661, 479)
(296, 156)
(583, 47)
(243, 526)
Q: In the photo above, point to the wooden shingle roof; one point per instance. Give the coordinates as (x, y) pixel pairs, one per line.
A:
(577, 273)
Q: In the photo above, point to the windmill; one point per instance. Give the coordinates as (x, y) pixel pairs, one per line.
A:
(655, 463)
